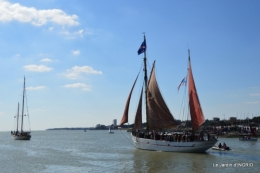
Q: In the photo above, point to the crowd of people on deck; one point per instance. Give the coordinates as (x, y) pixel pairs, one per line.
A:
(172, 137)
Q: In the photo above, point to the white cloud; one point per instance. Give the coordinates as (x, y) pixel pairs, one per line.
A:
(82, 86)
(251, 102)
(15, 11)
(73, 35)
(257, 94)
(76, 71)
(46, 60)
(233, 95)
(75, 52)
(36, 88)
(37, 68)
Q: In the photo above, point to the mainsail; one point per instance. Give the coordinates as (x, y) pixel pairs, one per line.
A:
(125, 114)
(158, 114)
(197, 117)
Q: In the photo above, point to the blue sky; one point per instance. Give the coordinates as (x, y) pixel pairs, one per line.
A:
(80, 57)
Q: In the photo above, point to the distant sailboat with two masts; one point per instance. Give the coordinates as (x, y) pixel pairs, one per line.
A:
(159, 133)
(20, 133)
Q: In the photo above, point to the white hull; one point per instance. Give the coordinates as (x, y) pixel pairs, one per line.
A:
(161, 145)
(219, 149)
(19, 137)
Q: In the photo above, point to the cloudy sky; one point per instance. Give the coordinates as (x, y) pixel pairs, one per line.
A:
(80, 57)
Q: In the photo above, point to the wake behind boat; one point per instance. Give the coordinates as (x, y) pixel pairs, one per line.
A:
(21, 135)
(159, 135)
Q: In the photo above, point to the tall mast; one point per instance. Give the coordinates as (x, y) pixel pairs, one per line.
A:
(188, 76)
(145, 80)
(17, 118)
(23, 104)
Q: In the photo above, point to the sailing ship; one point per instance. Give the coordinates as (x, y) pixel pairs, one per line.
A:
(21, 135)
(249, 137)
(159, 134)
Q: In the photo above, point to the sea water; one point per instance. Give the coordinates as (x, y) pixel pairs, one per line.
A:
(72, 151)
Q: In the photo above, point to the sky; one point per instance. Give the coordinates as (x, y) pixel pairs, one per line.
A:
(80, 58)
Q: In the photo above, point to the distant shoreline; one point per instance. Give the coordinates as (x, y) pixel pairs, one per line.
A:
(227, 135)
(72, 128)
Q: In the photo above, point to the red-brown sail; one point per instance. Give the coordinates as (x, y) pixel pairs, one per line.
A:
(197, 117)
(159, 116)
(125, 115)
(138, 116)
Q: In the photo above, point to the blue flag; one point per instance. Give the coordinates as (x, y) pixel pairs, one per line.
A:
(142, 48)
(183, 82)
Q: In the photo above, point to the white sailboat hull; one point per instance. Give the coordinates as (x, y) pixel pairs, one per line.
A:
(168, 146)
(21, 137)
(25, 136)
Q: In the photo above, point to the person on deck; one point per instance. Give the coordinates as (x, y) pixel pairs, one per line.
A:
(219, 145)
(224, 146)
(202, 135)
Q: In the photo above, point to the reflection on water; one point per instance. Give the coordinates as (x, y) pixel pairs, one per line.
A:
(150, 161)
(98, 151)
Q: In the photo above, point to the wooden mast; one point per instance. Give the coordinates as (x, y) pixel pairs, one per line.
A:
(145, 80)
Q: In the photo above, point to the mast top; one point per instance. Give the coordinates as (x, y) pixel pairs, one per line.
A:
(189, 53)
(144, 35)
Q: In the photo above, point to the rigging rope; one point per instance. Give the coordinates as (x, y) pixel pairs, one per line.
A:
(27, 112)
(127, 138)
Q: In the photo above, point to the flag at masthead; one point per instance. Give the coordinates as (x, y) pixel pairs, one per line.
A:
(142, 48)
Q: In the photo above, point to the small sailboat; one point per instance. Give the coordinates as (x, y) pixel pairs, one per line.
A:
(110, 131)
(159, 133)
(249, 137)
(22, 134)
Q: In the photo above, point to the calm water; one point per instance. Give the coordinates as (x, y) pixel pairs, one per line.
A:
(98, 151)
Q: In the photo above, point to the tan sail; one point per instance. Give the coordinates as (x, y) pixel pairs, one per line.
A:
(197, 117)
(138, 116)
(125, 114)
(159, 116)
